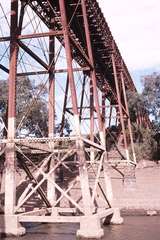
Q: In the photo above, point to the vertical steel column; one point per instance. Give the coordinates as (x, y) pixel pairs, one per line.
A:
(91, 113)
(93, 73)
(21, 16)
(110, 115)
(117, 116)
(51, 104)
(108, 184)
(10, 182)
(12, 225)
(91, 121)
(82, 96)
(106, 170)
(103, 110)
(69, 57)
(64, 107)
(128, 117)
(51, 192)
(119, 104)
(81, 156)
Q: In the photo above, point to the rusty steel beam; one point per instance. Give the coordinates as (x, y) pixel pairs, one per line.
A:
(34, 181)
(98, 26)
(83, 69)
(103, 109)
(33, 35)
(40, 35)
(10, 162)
(5, 39)
(110, 116)
(4, 68)
(82, 96)
(81, 51)
(128, 117)
(83, 174)
(93, 73)
(119, 103)
(51, 104)
(21, 17)
(33, 55)
(64, 107)
(68, 56)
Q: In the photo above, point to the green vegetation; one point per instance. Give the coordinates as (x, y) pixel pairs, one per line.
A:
(147, 140)
(31, 108)
(151, 94)
(146, 146)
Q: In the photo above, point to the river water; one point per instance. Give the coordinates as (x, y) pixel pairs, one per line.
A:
(134, 228)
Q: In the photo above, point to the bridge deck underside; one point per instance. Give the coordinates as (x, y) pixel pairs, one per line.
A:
(102, 40)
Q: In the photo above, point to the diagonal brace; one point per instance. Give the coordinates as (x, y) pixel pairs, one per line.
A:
(33, 55)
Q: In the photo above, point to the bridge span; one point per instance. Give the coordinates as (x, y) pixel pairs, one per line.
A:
(65, 52)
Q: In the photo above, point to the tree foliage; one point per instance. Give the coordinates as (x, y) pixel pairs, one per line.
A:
(136, 103)
(151, 95)
(31, 108)
(146, 141)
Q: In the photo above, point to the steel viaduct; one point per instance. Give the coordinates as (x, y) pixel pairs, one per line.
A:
(66, 178)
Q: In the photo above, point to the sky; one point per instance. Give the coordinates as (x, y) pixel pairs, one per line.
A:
(135, 25)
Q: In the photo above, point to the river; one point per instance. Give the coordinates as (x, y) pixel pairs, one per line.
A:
(134, 228)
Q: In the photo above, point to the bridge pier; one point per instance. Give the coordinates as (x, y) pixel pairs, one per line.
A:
(116, 217)
(12, 226)
(90, 227)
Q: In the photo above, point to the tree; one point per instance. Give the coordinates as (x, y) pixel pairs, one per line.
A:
(146, 141)
(31, 108)
(151, 94)
(137, 104)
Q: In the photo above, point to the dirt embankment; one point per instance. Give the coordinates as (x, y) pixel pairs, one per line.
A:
(141, 196)
(144, 194)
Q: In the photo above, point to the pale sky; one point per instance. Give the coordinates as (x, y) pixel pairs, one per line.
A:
(135, 26)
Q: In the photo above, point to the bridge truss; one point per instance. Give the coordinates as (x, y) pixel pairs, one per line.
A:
(67, 48)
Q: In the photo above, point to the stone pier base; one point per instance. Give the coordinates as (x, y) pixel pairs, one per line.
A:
(10, 226)
(116, 218)
(90, 227)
